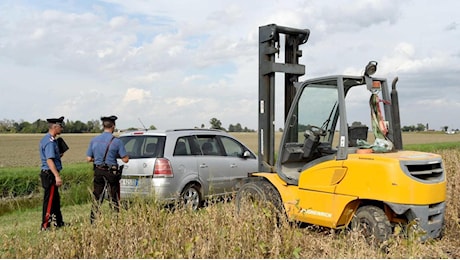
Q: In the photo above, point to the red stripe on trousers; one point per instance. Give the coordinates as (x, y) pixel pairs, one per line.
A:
(48, 209)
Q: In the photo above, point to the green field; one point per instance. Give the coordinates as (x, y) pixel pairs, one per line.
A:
(147, 230)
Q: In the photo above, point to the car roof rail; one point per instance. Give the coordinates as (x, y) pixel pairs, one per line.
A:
(195, 129)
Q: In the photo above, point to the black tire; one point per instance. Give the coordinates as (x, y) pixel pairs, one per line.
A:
(373, 223)
(259, 194)
(191, 197)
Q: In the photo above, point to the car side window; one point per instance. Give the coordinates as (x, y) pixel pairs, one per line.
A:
(209, 145)
(182, 147)
(232, 148)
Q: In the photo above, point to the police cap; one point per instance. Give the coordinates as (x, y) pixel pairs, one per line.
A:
(109, 118)
(55, 120)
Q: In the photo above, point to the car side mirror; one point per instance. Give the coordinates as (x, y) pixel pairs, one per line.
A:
(246, 154)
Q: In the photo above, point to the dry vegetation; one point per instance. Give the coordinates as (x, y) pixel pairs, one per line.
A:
(147, 230)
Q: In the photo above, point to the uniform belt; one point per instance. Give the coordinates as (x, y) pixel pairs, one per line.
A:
(106, 166)
(45, 171)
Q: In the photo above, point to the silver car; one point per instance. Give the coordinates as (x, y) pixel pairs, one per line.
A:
(188, 165)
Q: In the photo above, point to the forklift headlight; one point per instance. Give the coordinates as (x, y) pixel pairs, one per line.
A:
(371, 68)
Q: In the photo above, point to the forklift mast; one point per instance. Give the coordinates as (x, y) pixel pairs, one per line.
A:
(269, 46)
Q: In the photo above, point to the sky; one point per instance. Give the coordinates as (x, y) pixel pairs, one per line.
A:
(177, 64)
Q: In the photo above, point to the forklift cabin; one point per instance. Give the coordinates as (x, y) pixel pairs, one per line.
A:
(319, 110)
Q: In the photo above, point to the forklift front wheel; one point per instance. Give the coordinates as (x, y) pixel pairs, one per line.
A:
(259, 194)
(373, 223)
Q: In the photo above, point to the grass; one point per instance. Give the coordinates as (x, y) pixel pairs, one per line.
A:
(21, 187)
(432, 147)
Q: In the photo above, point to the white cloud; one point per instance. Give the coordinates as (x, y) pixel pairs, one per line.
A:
(192, 78)
(405, 49)
(118, 22)
(145, 79)
(136, 95)
(182, 101)
(174, 67)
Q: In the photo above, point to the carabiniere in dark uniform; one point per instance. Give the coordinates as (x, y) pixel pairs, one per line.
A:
(103, 151)
(51, 150)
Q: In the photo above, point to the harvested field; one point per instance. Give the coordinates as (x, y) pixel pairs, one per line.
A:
(21, 150)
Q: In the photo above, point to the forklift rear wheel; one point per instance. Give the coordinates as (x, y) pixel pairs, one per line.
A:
(259, 194)
(373, 223)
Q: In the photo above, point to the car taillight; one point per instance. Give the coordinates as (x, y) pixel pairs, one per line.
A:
(162, 168)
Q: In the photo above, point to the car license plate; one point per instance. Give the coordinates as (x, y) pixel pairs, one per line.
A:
(129, 182)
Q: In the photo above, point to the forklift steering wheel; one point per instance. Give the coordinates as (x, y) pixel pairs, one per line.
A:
(315, 130)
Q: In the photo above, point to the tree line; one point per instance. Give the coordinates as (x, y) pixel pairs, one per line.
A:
(92, 126)
(217, 124)
(421, 127)
(95, 126)
(41, 126)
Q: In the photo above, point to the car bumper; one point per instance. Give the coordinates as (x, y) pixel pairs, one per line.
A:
(159, 188)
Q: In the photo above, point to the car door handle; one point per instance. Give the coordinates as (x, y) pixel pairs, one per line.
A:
(233, 165)
(203, 165)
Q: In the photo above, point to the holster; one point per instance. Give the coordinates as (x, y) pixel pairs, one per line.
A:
(47, 178)
(116, 170)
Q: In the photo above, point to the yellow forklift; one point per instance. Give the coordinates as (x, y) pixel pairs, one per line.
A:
(326, 172)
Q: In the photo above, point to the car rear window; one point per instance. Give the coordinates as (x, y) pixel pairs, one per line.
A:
(146, 146)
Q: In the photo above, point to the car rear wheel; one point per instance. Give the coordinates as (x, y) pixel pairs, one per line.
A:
(191, 197)
(373, 223)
